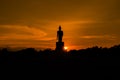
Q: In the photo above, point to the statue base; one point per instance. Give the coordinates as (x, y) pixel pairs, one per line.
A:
(59, 47)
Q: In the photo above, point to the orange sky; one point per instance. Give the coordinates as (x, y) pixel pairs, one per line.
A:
(34, 23)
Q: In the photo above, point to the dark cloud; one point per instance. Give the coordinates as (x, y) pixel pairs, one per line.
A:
(27, 11)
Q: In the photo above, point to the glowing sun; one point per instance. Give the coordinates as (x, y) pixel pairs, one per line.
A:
(65, 48)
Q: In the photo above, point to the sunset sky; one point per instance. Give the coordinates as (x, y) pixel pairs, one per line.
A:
(34, 23)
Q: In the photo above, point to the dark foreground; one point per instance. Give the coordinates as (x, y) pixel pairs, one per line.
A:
(91, 63)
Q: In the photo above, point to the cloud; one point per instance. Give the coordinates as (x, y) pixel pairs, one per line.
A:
(16, 32)
(109, 37)
(25, 36)
(28, 11)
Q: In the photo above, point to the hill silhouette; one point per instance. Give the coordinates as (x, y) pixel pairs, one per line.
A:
(92, 63)
(91, 56)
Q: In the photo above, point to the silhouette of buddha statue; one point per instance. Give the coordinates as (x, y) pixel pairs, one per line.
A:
(59, 44)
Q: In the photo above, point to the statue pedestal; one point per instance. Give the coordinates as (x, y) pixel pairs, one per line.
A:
(59, 47)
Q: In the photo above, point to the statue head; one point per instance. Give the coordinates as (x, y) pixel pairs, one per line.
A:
(59, 28)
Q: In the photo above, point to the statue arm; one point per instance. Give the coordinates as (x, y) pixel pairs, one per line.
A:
(62, 33)
(57, 35)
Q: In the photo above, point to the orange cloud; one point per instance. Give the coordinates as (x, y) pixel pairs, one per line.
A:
(99, 37)
(20, 32)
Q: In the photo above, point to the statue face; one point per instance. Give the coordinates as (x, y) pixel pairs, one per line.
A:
(60, 28)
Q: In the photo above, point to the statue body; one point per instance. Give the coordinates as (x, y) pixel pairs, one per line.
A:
(59, 35)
